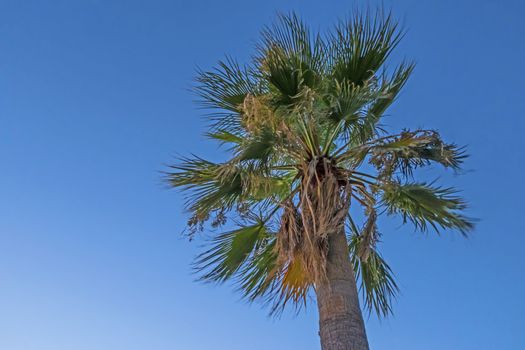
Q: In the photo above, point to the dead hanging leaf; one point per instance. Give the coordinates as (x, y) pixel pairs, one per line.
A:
(319, 211)
(289, 237)
(368, 237)
(296, 281)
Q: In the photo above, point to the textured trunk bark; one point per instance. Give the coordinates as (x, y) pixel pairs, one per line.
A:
(340, 318)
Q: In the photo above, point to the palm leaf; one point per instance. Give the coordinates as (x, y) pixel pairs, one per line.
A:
(211, 186)
(290, 57)
(377, 283)
(225, 136)
(411, 150)
(426, 205)
(387, 92)
(361, 45)
(226, 86)
(229, 251)
(258, 147)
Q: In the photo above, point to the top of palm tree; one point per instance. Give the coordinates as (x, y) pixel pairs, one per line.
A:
(302, 123)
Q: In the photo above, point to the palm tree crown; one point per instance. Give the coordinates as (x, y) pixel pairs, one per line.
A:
(302, 123)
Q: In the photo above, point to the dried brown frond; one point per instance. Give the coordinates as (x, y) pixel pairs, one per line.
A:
(295, 281)
(321, 208)
(368, 236)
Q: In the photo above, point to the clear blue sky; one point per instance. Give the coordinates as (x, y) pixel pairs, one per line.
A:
(93, 102)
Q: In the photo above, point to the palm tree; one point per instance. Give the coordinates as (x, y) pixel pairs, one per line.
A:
(308, 159)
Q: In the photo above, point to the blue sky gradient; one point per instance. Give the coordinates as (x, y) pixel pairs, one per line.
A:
(94, 102)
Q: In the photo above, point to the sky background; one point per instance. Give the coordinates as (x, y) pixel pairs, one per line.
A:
(94, 103)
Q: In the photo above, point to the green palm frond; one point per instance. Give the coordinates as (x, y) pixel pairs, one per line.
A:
(376, 280)
(377, 283)
(427, 205)
(248, 257)
(388, 90)
(258, 147)
(211, 186)
(223, 91)
(290, 58)
(226, 86)
(224, 136)
(347, 101)
(219, 188)
(257, 277)
(360, 46)
(229, 251)
(269, 187)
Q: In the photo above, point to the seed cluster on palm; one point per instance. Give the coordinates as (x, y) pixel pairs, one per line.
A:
(302, 123)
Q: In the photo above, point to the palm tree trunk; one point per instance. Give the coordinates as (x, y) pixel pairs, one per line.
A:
(340, 318)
